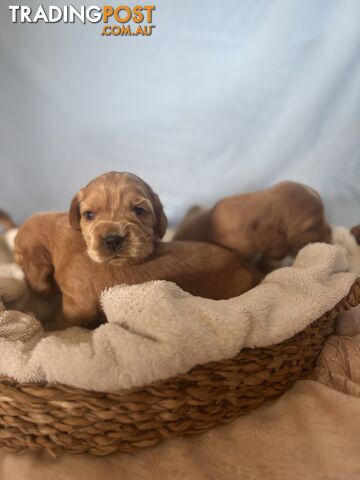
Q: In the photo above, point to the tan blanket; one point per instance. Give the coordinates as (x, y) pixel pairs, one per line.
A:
(155, 330)
(311, 432)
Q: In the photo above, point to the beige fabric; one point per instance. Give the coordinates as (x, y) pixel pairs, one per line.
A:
(343, 236)
(311, 432)
(155, 330)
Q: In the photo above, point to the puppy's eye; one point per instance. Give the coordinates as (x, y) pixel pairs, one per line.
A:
(139, 210)
(89, 215)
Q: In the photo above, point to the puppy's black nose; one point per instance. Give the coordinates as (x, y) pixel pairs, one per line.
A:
(113, 242)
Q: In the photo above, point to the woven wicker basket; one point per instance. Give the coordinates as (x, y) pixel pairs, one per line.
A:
(55, 417)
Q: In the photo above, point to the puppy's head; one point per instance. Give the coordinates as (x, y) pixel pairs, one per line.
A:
(305, 219)
(120, 218)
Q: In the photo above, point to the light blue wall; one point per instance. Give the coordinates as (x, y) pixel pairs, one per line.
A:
(225, 97)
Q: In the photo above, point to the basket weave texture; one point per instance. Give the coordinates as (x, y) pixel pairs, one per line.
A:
(57, 417)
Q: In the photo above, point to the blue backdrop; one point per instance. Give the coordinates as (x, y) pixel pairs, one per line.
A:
(224, 97)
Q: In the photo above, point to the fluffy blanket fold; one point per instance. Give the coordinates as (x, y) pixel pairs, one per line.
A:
(156, 330)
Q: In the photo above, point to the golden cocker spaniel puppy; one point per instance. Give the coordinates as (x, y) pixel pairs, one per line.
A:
(111, 236)
(275, 222)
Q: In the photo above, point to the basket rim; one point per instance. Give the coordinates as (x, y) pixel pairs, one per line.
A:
(350, 300)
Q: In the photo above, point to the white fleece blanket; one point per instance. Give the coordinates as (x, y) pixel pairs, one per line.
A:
(155, 330)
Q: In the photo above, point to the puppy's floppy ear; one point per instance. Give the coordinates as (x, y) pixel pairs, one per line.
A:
(269, 238)
(161, 220)
(74, 213)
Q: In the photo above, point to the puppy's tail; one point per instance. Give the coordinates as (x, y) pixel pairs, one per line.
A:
(6, 221)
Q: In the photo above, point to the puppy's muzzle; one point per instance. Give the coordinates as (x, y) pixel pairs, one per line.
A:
(113, 243)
